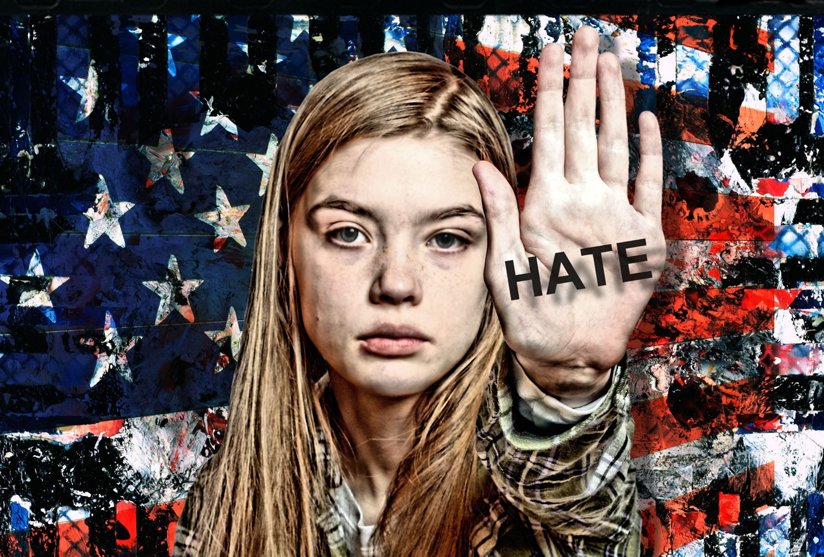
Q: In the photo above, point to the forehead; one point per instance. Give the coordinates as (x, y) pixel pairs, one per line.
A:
(399, 174)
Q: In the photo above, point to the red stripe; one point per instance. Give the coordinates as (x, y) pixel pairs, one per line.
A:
(694, 212)
(109, 428)
(711, 408)
(693, 314)
(681, 119)
(72, 538)
(695, 31)
(771, 186)
(126, 513)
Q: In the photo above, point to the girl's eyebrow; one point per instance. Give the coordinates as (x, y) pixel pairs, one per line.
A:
(456, 211)
(334, 202)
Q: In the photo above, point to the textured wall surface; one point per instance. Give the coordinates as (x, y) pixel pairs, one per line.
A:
(135, 151)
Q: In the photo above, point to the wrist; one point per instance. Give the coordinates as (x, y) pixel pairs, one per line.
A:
(574, 384)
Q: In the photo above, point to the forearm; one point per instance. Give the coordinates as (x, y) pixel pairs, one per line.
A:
(577, 485)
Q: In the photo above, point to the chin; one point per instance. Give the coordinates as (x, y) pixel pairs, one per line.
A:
(396, 381)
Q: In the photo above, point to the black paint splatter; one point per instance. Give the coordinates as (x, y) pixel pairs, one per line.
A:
(151, 79)
(698, 192)
(797, 270)
(738, 59)
(43, 57)
(214, 66)
(104, 50)
(322, 31)
(424, 41)
(809, 211)
(751, 272)
(370, 29)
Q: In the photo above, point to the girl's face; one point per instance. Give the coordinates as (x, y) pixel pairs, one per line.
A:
(388, 244)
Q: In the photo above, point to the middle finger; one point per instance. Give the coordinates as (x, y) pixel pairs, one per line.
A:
(579, 112)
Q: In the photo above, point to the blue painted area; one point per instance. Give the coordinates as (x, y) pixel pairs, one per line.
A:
(410, 38)
(694, 549)
(815, 524)
(692, 77)
(647, 57)
(774, 532)
(395, 32)
(238, 44)
(72, 30)
(294, 70)
(783, 82)
(348, 30)
(821, 245)
(646, 99)
(601, 26)
(818, 73)
(45, 347)
(801, 351)
(19, 517)
(813, 421)
(128, 64)
(72, 64)
(453, 27)
(554, 28)
(184, 68)
(807, 300)
(726, 544)
(791, 242)
(20, 67)
(818, 189)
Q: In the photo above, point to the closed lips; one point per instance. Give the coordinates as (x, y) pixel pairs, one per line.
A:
(394, 331)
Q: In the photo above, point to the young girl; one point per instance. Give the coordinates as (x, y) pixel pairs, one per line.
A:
(394, 395)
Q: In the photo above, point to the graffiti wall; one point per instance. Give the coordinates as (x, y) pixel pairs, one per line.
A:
(136, 149)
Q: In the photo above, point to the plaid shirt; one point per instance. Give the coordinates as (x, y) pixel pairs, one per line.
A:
(569, 492)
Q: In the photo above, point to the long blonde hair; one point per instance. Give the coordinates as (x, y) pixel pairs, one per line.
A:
(261, 494)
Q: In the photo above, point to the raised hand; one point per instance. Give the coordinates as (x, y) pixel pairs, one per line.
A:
(577, 199)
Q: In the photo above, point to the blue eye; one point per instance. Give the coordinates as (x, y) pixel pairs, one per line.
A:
(448, 241)
(346, 235)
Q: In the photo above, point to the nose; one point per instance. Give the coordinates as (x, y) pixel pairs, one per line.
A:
(397, 278)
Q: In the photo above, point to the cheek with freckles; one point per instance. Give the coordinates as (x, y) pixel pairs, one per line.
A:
(330, 298)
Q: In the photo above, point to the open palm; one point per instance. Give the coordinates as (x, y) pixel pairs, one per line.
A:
(577, 199)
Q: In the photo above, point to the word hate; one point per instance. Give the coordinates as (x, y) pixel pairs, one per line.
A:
(561, 260)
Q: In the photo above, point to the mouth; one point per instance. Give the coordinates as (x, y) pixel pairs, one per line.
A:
(393, 340)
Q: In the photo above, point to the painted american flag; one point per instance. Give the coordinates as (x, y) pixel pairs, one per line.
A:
(138, 149)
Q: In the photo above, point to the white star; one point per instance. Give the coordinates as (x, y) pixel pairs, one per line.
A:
(174, 293)
(104, 215)
(86, 88)
(225, 219)
(230, 336)
(34, 292)
(165, 161)
(110, 352)
(265, 162)
(211, 120)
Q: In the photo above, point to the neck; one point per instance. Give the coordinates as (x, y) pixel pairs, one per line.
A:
(380, 430)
